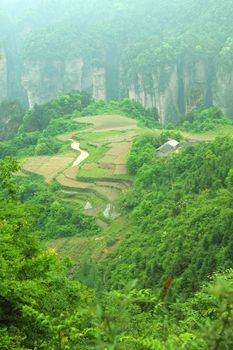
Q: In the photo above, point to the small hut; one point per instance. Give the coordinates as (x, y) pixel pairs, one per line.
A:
(167, 148)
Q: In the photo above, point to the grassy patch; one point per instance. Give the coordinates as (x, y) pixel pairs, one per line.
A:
(94, 173)
(109, 122)
(94, 248)
(96, 153)
(98, 135)
(222, 131)
(95, 200)
(48, 167)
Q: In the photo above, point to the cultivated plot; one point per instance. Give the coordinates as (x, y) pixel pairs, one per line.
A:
(48, 166)
(108, 122)
(107, 139)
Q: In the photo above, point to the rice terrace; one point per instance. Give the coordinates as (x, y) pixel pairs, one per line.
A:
(101, 176)
(92, 171)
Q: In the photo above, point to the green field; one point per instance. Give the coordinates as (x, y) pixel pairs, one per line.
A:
(102, 177)
(98, 179)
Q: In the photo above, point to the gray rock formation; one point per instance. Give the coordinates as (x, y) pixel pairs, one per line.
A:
(179, 89)
(46, 80)
(223, 94)
(3, 75)
(152, 95)
(173, 90)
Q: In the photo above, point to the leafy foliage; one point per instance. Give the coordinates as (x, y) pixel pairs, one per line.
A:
(55, 218)
(35, 293)
(143, 149)
(41, 115)
(11, 117)
(181, 212)
(126, 107)
(186, 223)
(36, 132)
(204, 120)
(140, 46)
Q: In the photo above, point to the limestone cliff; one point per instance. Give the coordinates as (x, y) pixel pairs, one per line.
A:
(173, 90)
(179, 88)
(3, 75)
(46, 80)
(152, 94)
(223, 92)
(98, 81)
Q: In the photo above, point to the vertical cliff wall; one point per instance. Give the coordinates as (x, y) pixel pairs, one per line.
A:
(3, 75)
(151, 92)
(179, 88)
(173, 90)
(223, 92)
(43, 80)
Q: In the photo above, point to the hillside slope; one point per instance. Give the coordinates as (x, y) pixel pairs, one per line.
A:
(168, 228)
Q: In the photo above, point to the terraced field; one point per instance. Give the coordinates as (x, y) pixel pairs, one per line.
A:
(48, 166)
(95, 248)
(97, 182)
(102, 176)
(108, 122)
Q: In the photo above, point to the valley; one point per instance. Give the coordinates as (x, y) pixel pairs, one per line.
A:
(95, 176)
(116, 175)
(113, 219)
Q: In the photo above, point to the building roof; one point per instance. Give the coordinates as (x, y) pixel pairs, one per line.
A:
(167, 148)
(173, 143)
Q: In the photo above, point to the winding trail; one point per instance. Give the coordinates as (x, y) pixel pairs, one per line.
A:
(83, 154)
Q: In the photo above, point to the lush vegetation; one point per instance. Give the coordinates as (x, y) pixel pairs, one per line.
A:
(127, 107)
(40, 116)
(11, 117)
(200, 121)
(181, 215)
(42, 307)
(34, 132)
(192, 30)
(35, 135)
(144, 149)
(35, 294)
(55, 218)
(166, 281)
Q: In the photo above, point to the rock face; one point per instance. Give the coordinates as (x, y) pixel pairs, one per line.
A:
(46, 80)
(176, 90)
(172, 90)
(3, 76)
(223, 95)
(151, 94)
(184, 88)
(98, 81)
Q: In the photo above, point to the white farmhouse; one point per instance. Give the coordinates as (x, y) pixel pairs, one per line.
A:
(167, 148)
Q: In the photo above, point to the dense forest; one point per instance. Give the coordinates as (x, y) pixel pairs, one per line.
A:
(107, 243)
(171, 275)
(43, 307)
